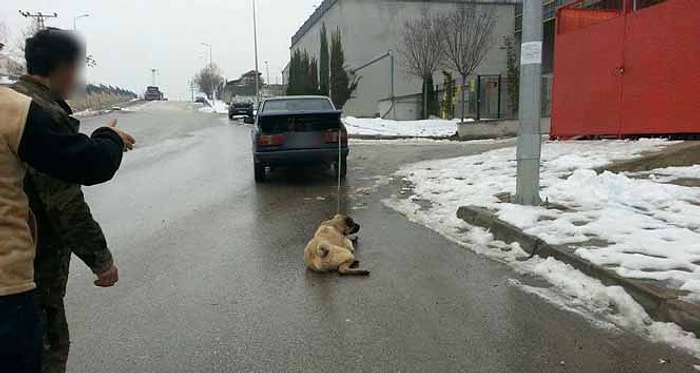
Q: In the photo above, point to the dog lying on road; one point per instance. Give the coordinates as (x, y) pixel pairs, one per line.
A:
(331, 249)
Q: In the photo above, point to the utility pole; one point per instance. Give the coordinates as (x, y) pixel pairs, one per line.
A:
(529, 129)
(255, 40)
(38, 17)
(154, 72)
(267, 67)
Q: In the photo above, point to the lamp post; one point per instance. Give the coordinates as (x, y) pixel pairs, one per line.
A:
(255, 40)
(211, 62)
(76, 18)
(211, 65)
(90, 62)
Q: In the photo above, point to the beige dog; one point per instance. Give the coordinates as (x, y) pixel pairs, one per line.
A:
(332, 250)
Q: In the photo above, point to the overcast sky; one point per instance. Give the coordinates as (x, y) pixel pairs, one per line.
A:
(129, 37)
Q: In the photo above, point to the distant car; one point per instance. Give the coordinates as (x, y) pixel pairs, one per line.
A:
(299, 130)
(201, 100)
(241, 108)
(153, 94)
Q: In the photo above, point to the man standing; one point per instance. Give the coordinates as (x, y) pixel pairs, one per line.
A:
(32, 134)
(65, 224)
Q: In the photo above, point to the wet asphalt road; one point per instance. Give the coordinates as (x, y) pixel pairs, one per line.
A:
(213, 277)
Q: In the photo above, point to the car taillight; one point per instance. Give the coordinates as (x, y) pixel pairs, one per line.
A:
(270, 140)
(332, 137)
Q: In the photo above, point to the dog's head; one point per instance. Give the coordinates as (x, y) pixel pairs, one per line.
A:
(346, 224)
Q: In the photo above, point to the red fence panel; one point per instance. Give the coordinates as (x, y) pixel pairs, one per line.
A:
(662, 75)
(586, 90)
(572, 19)
(636, 74)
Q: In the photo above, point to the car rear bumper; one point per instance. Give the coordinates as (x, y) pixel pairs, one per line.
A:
(294, 157)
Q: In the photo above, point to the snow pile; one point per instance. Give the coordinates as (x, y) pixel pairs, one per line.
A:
(4, 80)
(216, 106)
(384, 127)
(669, 174)
(653, 228)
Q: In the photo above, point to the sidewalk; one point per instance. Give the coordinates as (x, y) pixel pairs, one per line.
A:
(633, 230)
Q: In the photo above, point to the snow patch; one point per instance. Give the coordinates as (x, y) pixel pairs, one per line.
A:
(651, 226)
(385, 127)
(215, 107)
(669, 174)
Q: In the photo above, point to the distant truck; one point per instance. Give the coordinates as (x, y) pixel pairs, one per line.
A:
(153, 94)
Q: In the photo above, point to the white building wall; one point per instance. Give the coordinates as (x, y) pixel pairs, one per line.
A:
(372, 27)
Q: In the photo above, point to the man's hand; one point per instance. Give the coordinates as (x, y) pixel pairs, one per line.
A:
(128, 140)
(107, 278)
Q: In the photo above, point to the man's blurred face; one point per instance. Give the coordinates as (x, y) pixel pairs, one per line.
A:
(64, 79)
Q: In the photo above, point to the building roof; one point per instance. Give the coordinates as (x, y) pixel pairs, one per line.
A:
(313, 19)
(250, 73)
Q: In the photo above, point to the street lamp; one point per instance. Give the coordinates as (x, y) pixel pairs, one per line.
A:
(255, 40)
(76, 18)
(211, 62)
(211, 65)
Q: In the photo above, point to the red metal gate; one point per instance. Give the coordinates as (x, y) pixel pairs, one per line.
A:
(620, 71)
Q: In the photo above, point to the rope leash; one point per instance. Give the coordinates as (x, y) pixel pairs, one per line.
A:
(339, 165)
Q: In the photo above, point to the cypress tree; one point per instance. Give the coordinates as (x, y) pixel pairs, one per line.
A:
(324, 64)
(340, 82)
(313, 77)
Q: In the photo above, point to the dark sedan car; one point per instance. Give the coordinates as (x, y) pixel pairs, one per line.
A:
(299, 130)
(240, 108)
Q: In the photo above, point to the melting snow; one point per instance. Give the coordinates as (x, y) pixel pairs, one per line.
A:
(653, 229)
(385, 127)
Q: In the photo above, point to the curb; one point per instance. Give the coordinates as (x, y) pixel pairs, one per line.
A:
(399, 137)
(437, 138)
(661, 304)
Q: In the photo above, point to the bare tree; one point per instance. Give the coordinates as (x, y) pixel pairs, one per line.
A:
(13, 50)
(467, 37)
(421, 51)
(209, 79)
(4, 35)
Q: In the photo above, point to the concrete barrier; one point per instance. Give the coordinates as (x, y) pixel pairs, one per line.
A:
(662, 304)
(493, 129)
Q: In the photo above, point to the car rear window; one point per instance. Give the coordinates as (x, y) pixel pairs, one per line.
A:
(295, 105)
(300, 123)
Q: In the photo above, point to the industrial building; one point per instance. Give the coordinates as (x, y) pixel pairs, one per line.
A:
(371, 28)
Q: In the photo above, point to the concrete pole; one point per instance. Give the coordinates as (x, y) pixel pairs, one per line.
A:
(529, 130)
(255, 40)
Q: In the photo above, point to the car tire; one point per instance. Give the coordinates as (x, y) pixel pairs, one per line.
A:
(259, 170)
